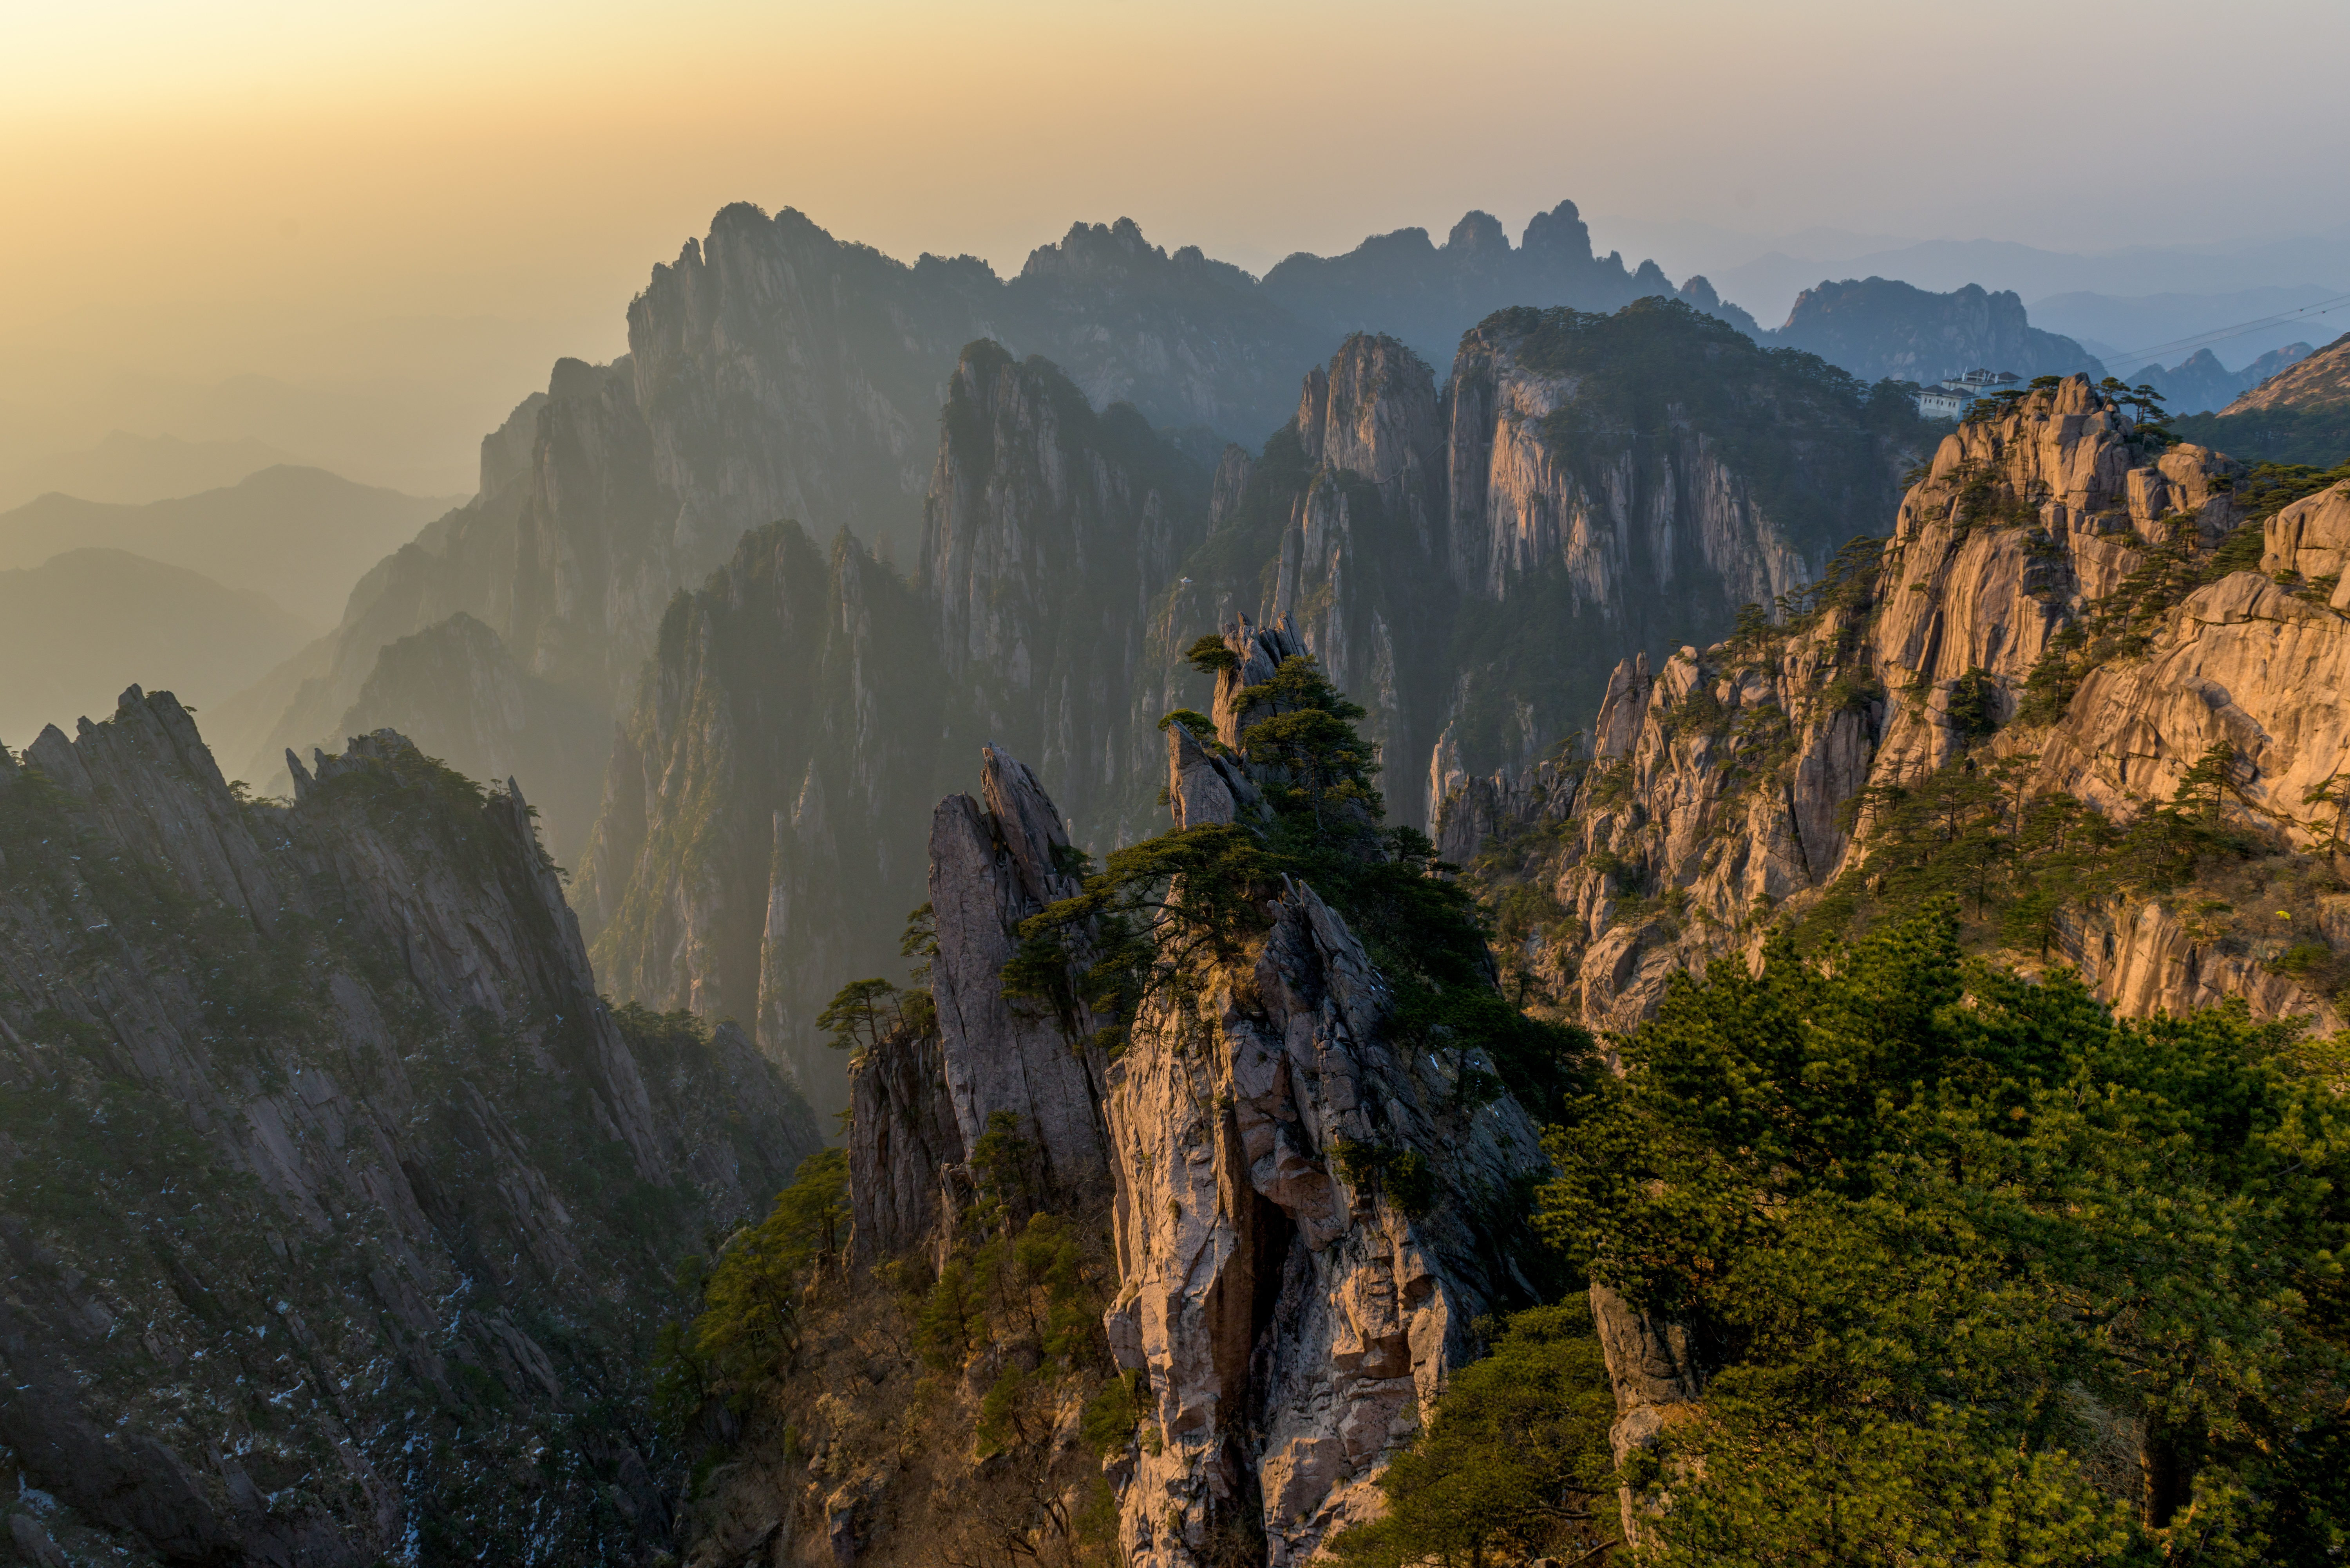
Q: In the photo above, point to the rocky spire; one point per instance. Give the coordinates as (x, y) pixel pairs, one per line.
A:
(993, 863)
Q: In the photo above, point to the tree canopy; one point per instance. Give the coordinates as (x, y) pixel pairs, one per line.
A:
(1987, 1274)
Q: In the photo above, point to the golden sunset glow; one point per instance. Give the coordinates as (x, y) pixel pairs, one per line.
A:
(338, 191)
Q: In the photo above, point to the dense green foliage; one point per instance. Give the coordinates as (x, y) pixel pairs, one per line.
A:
(1515, 1463)
(745, 1331)
(1161, 911)
(2320, 437)
(1956, 1243)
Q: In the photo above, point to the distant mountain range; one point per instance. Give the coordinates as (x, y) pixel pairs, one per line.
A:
(131, 468)
(1765, 283)
(2301, 415)
(78, 629)
(301, 536)
(2168, 327)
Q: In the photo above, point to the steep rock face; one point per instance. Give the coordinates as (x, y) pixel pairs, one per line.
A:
(1524, 500)
(1046, 533)
(403, 1189)
(455, 690)
(597, 557)
(747, 860)
(923, 1099)
(1069, 558)
(1363, 548)
(1587, 487)
(1302, 1209)
(1725, 784)
(903, 1143)
(755, 835)
(1295, 1323)
(1878, 327)
(993, 863)
(775, 371)
(1294, 1328)
(2243, 661)
(1737, 788)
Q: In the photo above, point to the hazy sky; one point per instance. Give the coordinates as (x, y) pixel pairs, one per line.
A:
(434, 194)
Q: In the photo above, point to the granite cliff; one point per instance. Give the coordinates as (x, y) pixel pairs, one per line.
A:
(2084, 693)
(1307, 1198)
(336, 1200)
(1469, 563)
(774, 371)
(1472, 563)
(758, 841)
(749, 855)
(2053, 610)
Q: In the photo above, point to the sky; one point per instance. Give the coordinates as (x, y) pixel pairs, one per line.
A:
(412, 209)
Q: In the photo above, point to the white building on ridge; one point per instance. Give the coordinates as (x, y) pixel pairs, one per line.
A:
(1950, 399)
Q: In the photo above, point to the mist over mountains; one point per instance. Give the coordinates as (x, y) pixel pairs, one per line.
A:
(1507, 631)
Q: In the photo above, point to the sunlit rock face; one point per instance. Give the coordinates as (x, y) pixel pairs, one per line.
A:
(1731, 775)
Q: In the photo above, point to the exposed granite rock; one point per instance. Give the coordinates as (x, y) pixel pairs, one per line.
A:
(1206, 787)
(1728, 778)
(597, 554)
(1550, 501)
(1295, 1329)
(1725, 784)
(1658, 1381)
(993, 863)
(403, 1191)
(902, 1142)
(1046, 531)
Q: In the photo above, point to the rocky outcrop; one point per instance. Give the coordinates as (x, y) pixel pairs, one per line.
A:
(1295, 1327)
(993, 863)
(1877, 328)
(330, 1183)
(1659, 1383)
(1747, 787)
(774, 371)
(903, 1146)
(1046, 531)
(1043, 617)
(2240, 661)
(1727, 788)
(1299, 1243)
